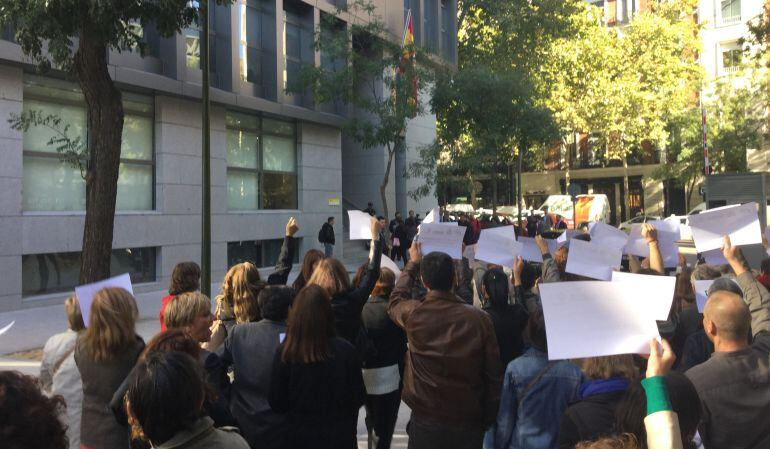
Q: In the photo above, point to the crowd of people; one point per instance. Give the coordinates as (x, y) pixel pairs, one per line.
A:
(463, 343)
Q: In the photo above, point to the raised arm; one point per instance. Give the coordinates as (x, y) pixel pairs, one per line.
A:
(361, 292)
(401, 303)
(661, 423)
(656, 258)
(550, 270)
(755, 294)
(280, 274)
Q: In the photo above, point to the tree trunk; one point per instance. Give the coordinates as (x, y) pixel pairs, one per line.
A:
(691, 187)
(385, 179)
(105, 125)
(626, 193)
(473, 189)
(494, 187)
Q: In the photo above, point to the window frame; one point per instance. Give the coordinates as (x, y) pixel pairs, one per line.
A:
(152, 162)
(733, 19)
(260, 170)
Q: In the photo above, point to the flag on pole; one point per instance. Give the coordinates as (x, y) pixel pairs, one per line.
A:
(406, 65)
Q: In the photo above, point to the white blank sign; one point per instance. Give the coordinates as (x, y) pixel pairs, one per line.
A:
(85, 293)
(741, 223)
(440, 238)
(360, 225)
(593, 260)
(593, 319)
(498, 246)
(659, 290)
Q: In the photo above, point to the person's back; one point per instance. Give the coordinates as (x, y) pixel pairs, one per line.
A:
(453, 371)
(535, 394)
(508, 320)
(59, 375)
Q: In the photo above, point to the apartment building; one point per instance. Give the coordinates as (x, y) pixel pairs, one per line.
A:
(273, 155)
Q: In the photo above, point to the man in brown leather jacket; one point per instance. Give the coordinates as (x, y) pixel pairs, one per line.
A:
(453, 373)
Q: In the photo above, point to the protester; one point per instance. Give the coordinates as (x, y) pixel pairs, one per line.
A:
(508, 320)
(326, 237)
(411, 223)
(316, 379)
(348, 300)
(535, 394)
(460, 348)
(734, 384)
(164, 405)
(241, 286)
(560, 223)
(191, 312)
(398, 237)
(764, 273)
(525, 276)
(186, 277)
(105, 353)
(684, 402)
(59, 376)
(370, 209)
(250, 350)
(383, 366)
(684, 308)
(215, 403)
(661, 425)
(28, 418)
(309, 262)
(592, 415)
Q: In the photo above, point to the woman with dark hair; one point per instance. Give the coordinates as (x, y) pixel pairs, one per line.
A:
(215, 403)
(309, 262)
(105, 353)
(28, 418)
(592, 415)
(164, 401)
(383, 367)
(509, 320)
(185, 278)
(684, 402)
(316, 379)
(348, 300)
(250, 350)
(535, 394)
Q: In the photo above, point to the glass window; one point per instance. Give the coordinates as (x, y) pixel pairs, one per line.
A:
(262, 253)
(731, 11)
(59, 272)
(192, 42)
(257, 45)
(731, 59)
(261, 165)
(430, 18)
(298, 48)
(50, 184)
(448, 35)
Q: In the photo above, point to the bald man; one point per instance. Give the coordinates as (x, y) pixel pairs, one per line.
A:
(734, 384)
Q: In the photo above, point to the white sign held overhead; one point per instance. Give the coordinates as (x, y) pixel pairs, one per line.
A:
(714, 257)
(445, 239)
(387, 262)
(592, 260)
(498, 246)
(360, 225)
(702, 292)
(659, 290)
(6, 328)
(529, 250)
(609, 236)
(85, 293)
(741, 223)
(434, 216)
(593, 319)
(668, 234)
(567, 236)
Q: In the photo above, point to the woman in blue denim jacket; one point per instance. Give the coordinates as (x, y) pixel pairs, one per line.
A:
(535, 394)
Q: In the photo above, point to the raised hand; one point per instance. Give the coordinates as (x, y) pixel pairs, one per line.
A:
(415, 252)
(291, 227)
(376, 228)
(542, 245)
(649, 233)
(661, 359)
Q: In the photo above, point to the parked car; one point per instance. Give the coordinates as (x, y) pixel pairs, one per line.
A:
(684, 222)
(626, 225)
(591, 207)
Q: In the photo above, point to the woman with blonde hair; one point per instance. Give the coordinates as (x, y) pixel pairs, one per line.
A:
(237, 302)
(185, 278)
(348, 300)
(58, 373)
(105, 353)
(592, 416)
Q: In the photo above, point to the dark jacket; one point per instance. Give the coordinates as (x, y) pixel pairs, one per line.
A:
(327, 234)
(347, 306)
(453, 373)
(734, 387)
(509, 323)
(99, 428)
(593, 415)
(320, 400)
(203, 435)
(250, 350)
(388, 339)
(697, 349)
(280, 274)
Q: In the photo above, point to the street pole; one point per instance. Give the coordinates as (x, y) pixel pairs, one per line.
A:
(206, 156)
(518, 184)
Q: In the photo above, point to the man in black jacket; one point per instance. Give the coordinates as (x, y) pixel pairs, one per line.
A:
(326, 236)
(734, 384)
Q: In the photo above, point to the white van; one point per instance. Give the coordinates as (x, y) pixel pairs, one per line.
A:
(592, 207)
